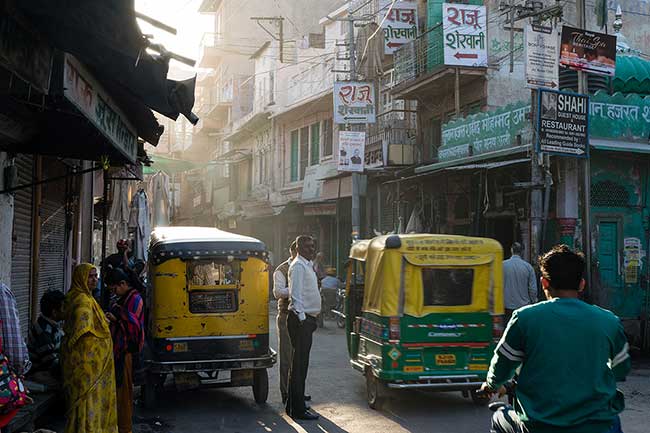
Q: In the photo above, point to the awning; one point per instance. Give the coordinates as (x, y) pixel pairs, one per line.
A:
(247, 125)
(488, 165)
(470, 159)
(170, 165)
(619, 146)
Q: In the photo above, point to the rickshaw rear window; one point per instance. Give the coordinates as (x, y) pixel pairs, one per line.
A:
(213, 272)
(447, 287)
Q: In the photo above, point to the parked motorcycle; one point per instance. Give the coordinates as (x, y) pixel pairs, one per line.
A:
(339, 308)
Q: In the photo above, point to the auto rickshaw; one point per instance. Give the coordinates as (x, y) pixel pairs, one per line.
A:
(424, 311)
(207, 311)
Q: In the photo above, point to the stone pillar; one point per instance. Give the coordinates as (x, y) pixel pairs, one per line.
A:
(567, 200)
(6, 226)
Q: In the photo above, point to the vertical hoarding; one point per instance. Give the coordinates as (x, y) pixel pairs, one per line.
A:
(354, 102)
(563, 123)
(399, 23)
(352, 145)
(464, 34)
(542, 54)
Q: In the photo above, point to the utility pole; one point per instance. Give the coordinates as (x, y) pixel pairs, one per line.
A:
(583, 88)
(279, 21)
(356, 199)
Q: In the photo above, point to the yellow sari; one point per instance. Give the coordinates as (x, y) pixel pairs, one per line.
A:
(87, 361)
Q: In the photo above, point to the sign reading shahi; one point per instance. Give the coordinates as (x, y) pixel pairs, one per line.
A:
(91, 99)
(563, 123)
(465, 34)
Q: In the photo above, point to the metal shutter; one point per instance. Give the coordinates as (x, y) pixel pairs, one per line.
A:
(21, 254)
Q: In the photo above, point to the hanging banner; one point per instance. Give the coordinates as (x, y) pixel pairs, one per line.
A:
(588, 51)
(352, 146)
(542, 54)
(354, 102)
(563, 123)
(464, 34)
(401, 23)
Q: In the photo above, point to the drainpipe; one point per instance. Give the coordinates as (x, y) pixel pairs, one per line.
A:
(36, 236)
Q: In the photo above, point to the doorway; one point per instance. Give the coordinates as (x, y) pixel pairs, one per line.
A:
(503, 229)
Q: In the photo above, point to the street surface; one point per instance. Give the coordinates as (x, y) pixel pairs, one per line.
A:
(338, 394)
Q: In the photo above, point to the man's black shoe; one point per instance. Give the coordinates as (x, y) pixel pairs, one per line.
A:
(308, 398)
(306, 415)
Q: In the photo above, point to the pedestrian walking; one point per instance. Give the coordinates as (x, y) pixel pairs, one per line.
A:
(519, 282)
(304, 307)
(281, 293)
(127, 329)
(87, 359)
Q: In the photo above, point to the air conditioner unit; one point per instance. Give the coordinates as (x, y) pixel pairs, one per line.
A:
(401, 154)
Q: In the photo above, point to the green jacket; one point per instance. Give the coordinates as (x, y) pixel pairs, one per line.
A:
(571, 354)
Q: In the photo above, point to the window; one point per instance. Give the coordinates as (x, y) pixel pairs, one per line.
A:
(447, 287)
(315, 144)
(294, 155)
(304, 150)
(328, 134)
(213, 272)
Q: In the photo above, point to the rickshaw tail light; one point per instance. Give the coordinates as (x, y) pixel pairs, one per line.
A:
(393, 328)
(497, 327)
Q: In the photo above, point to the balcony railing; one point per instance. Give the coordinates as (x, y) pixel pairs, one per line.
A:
(210, 51)
(395, 134)
(419, 57)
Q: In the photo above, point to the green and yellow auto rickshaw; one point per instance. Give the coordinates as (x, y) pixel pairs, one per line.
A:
(207, 311)
(424, 311)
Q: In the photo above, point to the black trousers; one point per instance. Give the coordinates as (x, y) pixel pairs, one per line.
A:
(301, 338)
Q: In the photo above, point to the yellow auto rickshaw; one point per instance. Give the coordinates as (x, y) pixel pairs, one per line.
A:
(424, 311)
(207, 311)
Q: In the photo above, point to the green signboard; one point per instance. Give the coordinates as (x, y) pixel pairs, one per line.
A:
(623, 117)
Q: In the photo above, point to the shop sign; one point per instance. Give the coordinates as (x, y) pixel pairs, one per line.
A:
(400, 25)
(354, 102)
(85, 93)
(485, 132)
(542, 68)
(632, 255)
(320, 209)
(563, 123)
(375, 155)
(25, 55)
(464, 34)
(588, 51)
(352, 146)
(620, 116)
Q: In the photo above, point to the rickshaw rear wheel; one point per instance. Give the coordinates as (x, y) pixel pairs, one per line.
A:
(260, 385)
(375, 390)
(478, 398)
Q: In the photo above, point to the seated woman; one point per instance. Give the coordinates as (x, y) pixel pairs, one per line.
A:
(87, 359)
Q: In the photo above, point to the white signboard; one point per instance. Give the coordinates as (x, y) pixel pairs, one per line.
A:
(80, 88)
(354, 102)
(465, 34)
(401, 23)
(542, 56)
(352, 145)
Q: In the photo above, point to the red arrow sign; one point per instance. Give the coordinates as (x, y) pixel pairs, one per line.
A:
(394, 44)
(466, 56)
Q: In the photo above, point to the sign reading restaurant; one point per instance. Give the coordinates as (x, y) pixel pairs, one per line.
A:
(400, 25)
(464, 34)
(354, 102)
(91, 99)
(563, 123)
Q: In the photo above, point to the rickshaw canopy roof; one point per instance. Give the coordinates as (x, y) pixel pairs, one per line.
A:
(384, 257)
(197, 242)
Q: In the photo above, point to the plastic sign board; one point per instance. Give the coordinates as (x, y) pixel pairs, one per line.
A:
(563, 123)
(352, 145)
(542, 55)
(464, 34)
(400, 25)
(588, 51)
(354, 102)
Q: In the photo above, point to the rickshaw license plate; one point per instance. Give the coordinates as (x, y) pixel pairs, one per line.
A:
(446, 359)
(180, 347)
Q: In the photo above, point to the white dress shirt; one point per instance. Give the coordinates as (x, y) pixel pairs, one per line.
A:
(303, 289)
(280, 283)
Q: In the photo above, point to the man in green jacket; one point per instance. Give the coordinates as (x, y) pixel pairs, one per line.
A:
(569, 355)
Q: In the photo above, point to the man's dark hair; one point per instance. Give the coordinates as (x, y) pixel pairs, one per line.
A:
(50, 301)
(516, 248)
(562, 267)
(302, 239)
(116, 276)
(293, 247)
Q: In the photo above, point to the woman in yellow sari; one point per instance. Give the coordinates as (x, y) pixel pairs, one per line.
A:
(87, 359)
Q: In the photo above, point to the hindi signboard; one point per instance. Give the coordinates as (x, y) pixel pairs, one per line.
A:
(85, 93)
(401, 23)
(352, 146)
(588, 51)
(464, 34)
(563, 123)
(542, 54)
(354, 102)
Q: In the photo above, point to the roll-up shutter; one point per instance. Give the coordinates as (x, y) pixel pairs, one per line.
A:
(51, 270)
(21, 253)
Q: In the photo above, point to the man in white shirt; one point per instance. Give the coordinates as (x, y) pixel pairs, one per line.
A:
(304, 307)
(281, 293)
